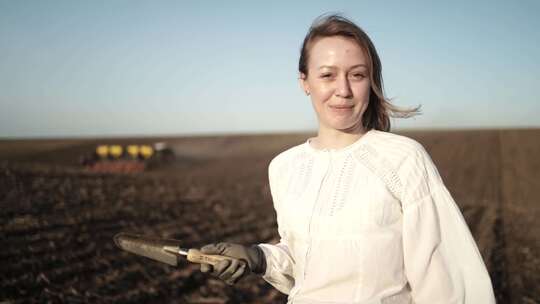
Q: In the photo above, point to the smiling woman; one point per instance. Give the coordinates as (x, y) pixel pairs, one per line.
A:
(338, 84)
(363, 214)
(348, 46)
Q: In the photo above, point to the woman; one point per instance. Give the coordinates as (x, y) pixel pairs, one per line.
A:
(363, 215)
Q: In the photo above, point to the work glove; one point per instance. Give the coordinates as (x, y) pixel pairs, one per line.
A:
(245, 260)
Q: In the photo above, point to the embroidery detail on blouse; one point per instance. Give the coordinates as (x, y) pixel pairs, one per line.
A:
(380, 167)
(342, 188)
(299, 182)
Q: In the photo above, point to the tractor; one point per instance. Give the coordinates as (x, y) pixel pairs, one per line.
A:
(116, 158)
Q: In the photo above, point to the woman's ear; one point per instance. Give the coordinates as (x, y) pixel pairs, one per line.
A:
(302, 79)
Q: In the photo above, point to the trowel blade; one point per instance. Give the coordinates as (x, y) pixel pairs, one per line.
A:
(149, 247)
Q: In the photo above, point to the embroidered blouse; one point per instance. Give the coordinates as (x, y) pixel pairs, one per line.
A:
(370, 223)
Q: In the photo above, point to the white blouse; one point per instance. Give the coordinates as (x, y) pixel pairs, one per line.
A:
(370, 223)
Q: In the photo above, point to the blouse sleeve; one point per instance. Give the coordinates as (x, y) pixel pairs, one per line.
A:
(279, 260)
(442, 261)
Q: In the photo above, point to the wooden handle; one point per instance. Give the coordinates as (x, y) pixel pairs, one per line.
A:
(196, 256)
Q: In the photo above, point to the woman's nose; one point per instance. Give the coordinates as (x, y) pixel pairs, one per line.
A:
(343, 88)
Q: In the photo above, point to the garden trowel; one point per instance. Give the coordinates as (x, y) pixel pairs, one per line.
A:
(163, 250)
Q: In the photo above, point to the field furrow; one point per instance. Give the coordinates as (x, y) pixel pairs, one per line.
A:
(57, 221)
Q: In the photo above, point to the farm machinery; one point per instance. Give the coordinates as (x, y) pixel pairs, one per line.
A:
(127, 158)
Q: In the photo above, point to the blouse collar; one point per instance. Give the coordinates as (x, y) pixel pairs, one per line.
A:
(343, 150)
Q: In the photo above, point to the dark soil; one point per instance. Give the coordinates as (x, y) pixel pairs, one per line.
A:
(57, 221)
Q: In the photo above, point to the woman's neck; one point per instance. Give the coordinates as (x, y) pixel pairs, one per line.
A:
(336, 139)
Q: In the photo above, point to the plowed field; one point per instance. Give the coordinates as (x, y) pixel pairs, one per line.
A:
(57, 221)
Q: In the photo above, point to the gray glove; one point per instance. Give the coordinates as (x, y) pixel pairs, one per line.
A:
(246, 260)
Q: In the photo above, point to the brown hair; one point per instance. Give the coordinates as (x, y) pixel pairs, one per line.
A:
(379, 110)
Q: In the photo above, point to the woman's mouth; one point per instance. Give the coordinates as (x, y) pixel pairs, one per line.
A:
(341, 109)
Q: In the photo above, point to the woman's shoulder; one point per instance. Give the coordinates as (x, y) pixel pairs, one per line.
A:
(395, 146)
(289, 155)
(397, 159)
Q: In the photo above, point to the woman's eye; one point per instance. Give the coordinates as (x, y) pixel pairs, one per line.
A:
(359, 76)
(326, 75)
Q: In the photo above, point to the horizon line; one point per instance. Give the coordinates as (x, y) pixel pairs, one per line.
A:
(254, 133)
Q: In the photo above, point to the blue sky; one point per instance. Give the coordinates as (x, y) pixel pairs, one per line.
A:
(101, 68)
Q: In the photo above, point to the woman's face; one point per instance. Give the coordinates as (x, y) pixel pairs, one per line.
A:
(338, 82)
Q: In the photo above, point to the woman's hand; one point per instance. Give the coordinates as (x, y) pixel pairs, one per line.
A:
(245, 260)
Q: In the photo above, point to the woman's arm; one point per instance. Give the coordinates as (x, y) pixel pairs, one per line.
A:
(279, 259)
(442, 261)
(279, 270)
